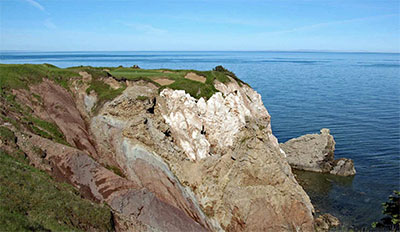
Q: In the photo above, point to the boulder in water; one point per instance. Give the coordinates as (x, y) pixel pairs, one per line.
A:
(315, 152)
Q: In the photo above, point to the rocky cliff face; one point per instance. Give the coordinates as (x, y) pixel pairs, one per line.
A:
(221, 150)
(179, 163)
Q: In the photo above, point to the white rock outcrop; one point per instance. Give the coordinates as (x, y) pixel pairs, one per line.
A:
(201, 125)
(240, 180)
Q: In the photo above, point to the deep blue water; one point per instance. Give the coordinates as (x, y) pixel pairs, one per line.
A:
(356, 95)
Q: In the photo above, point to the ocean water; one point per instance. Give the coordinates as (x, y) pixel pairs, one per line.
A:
(356, 95)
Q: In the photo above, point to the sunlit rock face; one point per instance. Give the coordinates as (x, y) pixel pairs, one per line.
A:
(205, 127)
(315, 152)
(169, 162)
(238, 173)
(216, 160)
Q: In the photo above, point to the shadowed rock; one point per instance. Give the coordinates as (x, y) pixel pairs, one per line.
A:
(324, 222)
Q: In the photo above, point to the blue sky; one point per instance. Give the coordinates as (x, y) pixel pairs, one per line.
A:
(88, 25)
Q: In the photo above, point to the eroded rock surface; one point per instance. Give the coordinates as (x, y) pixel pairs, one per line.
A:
(179, 163)
(315, 152)
(221, 154)
(137, 208)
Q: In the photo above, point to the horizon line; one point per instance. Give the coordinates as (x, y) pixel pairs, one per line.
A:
(294, 50)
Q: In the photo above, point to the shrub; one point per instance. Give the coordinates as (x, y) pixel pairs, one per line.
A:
(221, 69)
(391, 209)
(142, 98)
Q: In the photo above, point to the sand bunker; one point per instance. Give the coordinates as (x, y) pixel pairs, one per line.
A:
(193, 76)
(85, 76)
(164, 81)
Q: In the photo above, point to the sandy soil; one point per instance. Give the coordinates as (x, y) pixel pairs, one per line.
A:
(86, 76)
(193, 76)
(164, 81)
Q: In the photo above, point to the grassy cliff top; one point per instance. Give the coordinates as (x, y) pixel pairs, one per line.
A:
(13, 76)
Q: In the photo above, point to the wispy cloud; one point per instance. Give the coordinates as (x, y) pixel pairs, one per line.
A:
(326, 24)
(145, 28)
(49, 24)
(36, 4)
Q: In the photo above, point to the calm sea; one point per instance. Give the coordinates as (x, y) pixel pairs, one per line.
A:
(356, 95)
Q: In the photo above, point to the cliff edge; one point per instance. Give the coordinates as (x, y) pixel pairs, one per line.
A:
(166, 150)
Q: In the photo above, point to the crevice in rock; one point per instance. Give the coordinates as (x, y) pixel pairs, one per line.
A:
(151, 109)
(203, 131)
(167, 133)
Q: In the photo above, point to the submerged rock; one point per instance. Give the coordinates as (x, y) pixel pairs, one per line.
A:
(324, 222)
(315, 152)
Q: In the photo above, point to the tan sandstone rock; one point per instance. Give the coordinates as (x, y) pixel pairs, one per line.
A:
(315, 152)
(219, 153)
(326, 221)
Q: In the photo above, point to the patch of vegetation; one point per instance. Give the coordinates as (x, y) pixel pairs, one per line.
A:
(133, 74)
(142, 98)
(45, 129)
(96, 72)
(11, 120)
(194, 88)
(7, 134)
(50, 127)
(38, 97)
(116, 170)
(30, 200)
(104, 91)
(244, 139)
(38, 126)
(213, 75)
(16, 76)
(22, 75)
(13, 104)
(391, 208)
(221, 69)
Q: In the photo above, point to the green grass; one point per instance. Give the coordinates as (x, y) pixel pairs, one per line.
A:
(132, 74)
(45, 129)
(116, 170)
(194, 88)
(11, 120)
(38, 126)
(6, 134)
(225, 71)
(104, 91)
(30, 200)
(38, 97)
(13, 76)
(16, 76)
(96, 72)
(142, 98)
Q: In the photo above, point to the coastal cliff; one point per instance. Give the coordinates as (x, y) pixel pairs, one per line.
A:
(166, 150)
